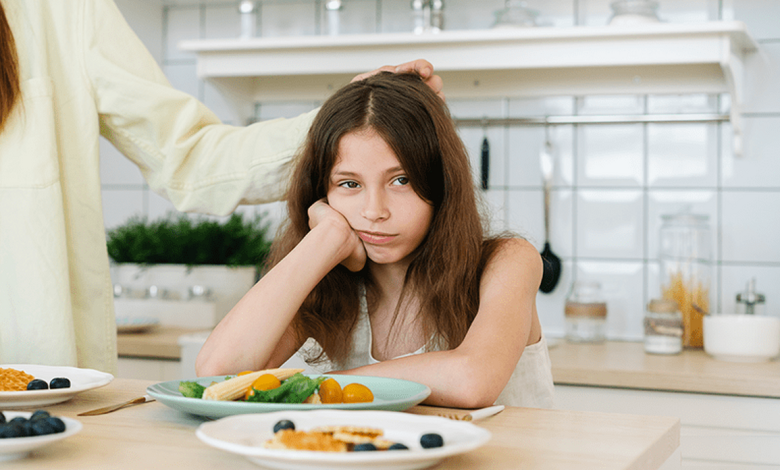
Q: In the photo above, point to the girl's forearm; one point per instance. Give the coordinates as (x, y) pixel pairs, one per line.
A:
(456, 380)
(249, 333)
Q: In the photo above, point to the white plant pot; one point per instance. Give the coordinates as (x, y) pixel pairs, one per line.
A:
(177, 306)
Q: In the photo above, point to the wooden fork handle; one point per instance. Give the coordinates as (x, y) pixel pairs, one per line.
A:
(109, 409)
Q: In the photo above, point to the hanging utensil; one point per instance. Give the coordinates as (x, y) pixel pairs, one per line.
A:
(485, 167)
(550, 262)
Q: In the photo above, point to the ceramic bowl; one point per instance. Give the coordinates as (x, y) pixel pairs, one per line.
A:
(742, 338)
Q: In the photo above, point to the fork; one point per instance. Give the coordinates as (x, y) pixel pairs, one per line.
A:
(109, 409)
(474, 415)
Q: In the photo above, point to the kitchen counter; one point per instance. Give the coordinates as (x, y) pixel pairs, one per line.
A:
(619, 364)
(151, 436)
(158, 343)
(625, 365)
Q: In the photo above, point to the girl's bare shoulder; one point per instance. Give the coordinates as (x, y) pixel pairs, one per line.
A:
(515, 256)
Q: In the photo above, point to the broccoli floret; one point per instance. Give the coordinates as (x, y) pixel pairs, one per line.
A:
(191, 389)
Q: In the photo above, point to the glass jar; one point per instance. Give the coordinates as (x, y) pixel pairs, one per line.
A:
(586, 313)
(663, 327)
(515, 14)
(629, 12)
(686, 263)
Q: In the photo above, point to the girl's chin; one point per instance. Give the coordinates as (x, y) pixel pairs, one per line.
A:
(387, 258)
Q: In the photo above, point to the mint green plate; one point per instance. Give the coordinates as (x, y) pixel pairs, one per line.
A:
(389, 394)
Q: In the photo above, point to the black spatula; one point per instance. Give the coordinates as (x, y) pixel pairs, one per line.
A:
(551, 262)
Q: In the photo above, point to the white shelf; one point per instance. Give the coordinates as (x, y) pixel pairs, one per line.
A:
(655, 58)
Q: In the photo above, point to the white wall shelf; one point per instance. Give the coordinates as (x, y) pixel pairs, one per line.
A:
(656, 58)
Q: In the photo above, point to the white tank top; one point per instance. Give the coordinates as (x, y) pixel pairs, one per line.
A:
(531, 383)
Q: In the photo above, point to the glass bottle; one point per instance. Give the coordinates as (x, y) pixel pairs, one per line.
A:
(248, 11)
(663, 327)
(586, 313)
(686, 262)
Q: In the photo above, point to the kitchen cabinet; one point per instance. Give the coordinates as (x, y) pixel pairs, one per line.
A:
(640, 59)
(729, 412)
(715, 430)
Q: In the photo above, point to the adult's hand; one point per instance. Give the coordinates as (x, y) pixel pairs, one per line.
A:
(420, 66)
(320, 212)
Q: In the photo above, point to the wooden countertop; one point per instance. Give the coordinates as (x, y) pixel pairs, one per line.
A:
(161, 342)
(626, 365)
(621, 364)
(151, 436)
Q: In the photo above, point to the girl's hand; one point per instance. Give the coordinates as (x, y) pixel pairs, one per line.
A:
(320, 212)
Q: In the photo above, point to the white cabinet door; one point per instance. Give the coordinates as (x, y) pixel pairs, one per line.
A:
(716, 430)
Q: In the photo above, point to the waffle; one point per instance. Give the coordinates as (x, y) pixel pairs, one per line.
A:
(353, 435)
(305, 440)
(12, 380)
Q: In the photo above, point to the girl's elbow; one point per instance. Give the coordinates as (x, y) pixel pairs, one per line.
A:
(481, 390)
(205, 366)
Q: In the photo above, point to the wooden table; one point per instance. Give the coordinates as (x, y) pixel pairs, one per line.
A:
(153, 436)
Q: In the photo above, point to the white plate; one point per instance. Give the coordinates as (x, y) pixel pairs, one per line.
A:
(135, 325)
(245, 434)
(80, 380)
(17, 447)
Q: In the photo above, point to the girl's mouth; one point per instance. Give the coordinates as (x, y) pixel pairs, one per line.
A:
(375, 238)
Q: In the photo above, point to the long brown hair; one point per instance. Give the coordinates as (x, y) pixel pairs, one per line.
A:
(447, 266)
(9, 70)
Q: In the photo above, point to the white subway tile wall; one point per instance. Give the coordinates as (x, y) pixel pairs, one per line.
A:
(611, 184)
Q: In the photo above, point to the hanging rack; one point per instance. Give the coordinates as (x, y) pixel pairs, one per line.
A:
(594, 119)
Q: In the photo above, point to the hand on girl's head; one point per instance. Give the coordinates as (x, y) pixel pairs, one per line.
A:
(321, 211)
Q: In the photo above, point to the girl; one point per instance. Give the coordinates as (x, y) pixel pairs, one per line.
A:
(384, 262)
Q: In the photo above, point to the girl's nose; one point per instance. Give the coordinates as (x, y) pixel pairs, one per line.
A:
(375, 207)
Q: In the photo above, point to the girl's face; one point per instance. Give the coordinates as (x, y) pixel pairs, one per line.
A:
(371, 190)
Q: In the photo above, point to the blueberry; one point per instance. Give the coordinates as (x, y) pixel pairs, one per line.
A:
(41, 427)
(11, 429)
(2, 418)
(397, 446)
(37, 384)
(59, 382)
(56, 423)
(39, 414)
(19, 419)
(366, 446)
(284, 424)
(431, 440)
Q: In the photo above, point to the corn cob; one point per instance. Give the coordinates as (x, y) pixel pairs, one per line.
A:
(236, 387)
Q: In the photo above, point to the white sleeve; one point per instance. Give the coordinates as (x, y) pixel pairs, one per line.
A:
(182, 149)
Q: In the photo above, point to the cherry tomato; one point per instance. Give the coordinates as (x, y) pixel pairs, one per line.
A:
(357, 393)
(244, 373)
(330, 391)
(262, 383)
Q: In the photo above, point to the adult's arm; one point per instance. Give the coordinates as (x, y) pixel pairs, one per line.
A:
(183, 150)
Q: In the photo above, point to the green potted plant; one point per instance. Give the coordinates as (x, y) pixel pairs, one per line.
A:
(179, 259)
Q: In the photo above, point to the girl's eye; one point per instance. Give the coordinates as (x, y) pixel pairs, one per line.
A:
(401, 180)
(349, 185)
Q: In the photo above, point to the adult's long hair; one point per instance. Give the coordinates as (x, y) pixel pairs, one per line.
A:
(9, 70)
(444, 274)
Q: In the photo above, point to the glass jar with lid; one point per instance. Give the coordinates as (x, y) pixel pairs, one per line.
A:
(630, 12)
(515, 14)
(586, 313)
(663, 327)
(686, 262)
